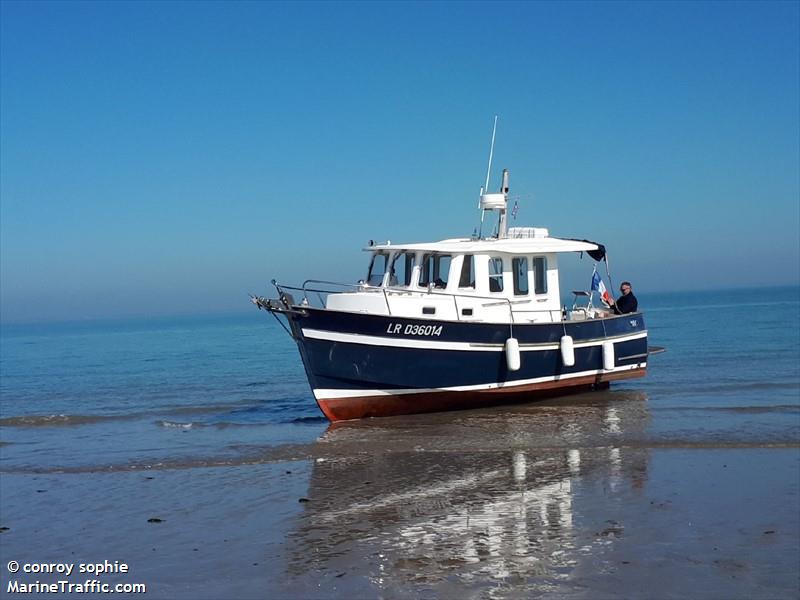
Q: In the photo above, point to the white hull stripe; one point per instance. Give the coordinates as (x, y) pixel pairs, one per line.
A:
(430, 344)
(330, 394)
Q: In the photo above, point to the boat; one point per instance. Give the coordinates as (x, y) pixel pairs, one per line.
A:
(458, 323)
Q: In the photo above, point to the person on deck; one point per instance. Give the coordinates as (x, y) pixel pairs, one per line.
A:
(626, 303)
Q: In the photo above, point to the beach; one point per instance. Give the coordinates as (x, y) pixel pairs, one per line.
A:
(227, 483)
(475, 504)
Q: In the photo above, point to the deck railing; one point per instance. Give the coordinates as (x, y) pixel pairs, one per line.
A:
(387, 291)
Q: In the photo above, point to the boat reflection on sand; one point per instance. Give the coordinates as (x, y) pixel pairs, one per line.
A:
(518, 496)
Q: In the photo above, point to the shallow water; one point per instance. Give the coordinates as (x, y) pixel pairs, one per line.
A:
(562, 501)
(686, 482)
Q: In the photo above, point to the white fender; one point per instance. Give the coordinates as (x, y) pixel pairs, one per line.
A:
(567, 351)
(608, 356)
(512, 354)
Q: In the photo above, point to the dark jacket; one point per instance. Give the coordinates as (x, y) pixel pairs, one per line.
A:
(625, 304)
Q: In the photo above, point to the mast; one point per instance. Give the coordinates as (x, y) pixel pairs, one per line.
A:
(491, 152)
(496, 201)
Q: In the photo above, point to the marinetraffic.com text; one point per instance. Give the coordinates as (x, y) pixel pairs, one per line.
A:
(90, 585)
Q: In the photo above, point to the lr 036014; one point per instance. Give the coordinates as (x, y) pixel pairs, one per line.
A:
(412, 329)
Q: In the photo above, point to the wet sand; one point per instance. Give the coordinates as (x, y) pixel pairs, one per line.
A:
(579, 498)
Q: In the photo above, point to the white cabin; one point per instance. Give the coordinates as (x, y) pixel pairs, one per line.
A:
(507, 279)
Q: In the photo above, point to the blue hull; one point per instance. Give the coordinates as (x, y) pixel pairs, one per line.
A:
(371, 365)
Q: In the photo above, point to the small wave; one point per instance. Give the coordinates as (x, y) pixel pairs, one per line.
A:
(723, 388)
(62, 420)
(249, 456)
(763, 409)
(214, 424)
(211, 408)
(755, 385)
(319, 419)
(247, 410)
(59, 420)
(266, 423)
(736, 305)
(254, 455)
(767, 408)
(176, 425)
(227, 424)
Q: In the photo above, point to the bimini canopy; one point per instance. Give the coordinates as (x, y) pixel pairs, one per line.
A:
(537, 245)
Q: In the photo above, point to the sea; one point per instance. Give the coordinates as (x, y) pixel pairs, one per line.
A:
(617, 490)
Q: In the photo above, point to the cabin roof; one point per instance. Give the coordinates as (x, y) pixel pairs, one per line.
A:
(538, 245)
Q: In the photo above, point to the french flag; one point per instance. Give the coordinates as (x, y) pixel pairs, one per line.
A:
(599, 287)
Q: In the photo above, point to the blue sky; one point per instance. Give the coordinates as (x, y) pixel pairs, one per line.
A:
(166, 158)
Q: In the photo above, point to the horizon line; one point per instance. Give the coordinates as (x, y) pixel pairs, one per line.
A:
(229, 312)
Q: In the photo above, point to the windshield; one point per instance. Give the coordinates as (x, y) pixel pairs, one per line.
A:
(435, 269)
(377, 268)
(402, 268)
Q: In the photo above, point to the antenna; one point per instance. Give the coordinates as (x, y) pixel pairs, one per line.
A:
(490, 201)
(491, 151)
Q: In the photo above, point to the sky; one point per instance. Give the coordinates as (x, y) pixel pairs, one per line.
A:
(170, 157)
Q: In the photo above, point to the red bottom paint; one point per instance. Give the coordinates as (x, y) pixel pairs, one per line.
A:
(345, 409)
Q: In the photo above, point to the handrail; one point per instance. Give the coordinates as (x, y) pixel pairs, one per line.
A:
(307, 281)
(357, 286)
(386, 290)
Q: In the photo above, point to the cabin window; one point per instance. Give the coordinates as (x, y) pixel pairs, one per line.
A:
(434, 269)
(519, 265)
(377, 268)
(495, 274)
(402, 267)
(540, 275)
(467, 279)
